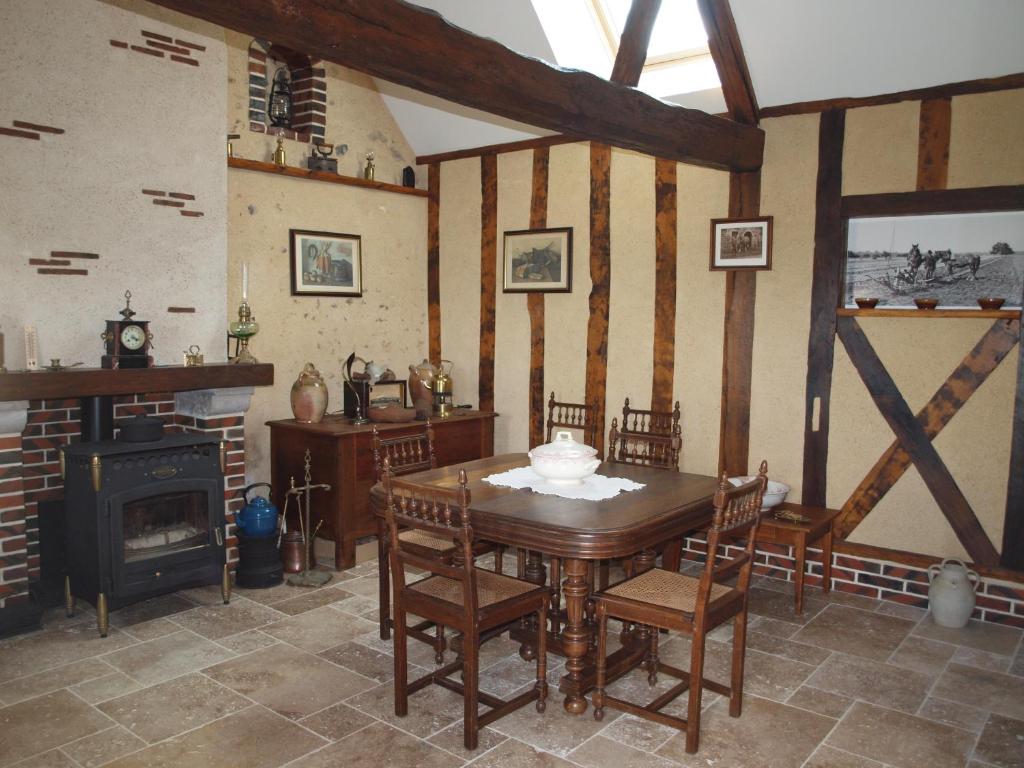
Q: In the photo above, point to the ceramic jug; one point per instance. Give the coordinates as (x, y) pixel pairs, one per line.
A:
(951, 593)
(421, 384)
(309, 396)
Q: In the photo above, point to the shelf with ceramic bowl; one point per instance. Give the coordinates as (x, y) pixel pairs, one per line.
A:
(913, 312)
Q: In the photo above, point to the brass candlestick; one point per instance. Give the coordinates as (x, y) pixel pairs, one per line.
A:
(244, 329)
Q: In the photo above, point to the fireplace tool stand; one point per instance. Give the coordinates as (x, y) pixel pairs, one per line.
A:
(307, 577)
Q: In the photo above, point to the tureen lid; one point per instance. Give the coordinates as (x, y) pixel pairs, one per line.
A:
(563, 447)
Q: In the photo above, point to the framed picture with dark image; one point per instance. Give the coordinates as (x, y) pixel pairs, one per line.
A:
(538, 261)
(325, 263)
(741, 243)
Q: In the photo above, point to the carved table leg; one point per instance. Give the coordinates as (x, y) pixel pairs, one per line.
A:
(642, 561)
(384, 582)
(535, 572)
(576, 635)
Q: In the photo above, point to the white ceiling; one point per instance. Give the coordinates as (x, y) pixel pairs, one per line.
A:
(796, 50)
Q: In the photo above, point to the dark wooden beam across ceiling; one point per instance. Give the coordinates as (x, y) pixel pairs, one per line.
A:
(636, 36)
(417, 48)
(727, 53)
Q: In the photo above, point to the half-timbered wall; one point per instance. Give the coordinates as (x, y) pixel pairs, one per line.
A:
(880, 155)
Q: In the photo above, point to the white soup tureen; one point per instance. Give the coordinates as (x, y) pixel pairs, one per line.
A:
(563, 460)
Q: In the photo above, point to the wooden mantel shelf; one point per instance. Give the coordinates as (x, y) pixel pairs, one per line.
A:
(333, 178)
(991, 314)
(89, 382)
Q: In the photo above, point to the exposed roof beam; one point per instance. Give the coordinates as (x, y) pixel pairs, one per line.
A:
(410, 46)
(636, 36)
(727, 53)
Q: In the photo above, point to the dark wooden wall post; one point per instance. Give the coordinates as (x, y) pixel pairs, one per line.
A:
(665, 246)
(737, 357)
(933, 143)
(535, 301)
(600, 277)
(1013, 525)
(434, 262)
(488, 275)
(826, 286)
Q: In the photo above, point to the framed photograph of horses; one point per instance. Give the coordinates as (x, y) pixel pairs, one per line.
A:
(538, 261)
(741, 243)
(956, 258)
(325, 263)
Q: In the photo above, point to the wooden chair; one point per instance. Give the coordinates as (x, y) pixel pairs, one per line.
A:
(456, 595)
(649, 438)
(673, 601)
(407, 454)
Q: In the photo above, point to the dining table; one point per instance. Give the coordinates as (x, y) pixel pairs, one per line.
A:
(631, 524)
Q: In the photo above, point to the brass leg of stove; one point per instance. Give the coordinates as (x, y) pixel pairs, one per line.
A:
(69, 599)
(102, 614)
(225, 585)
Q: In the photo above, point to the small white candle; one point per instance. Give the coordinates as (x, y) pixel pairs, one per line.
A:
(245, 282)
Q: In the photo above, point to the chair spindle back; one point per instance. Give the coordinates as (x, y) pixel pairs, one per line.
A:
(405, 454)
(572, 416)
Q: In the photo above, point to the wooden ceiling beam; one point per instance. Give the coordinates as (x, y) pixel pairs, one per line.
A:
(417, 48)
(636, 37)
(727, 52)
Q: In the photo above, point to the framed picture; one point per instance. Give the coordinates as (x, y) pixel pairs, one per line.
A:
(955, 258)
(325, 263)
(387, 393)
(741, 243)
(538, 261)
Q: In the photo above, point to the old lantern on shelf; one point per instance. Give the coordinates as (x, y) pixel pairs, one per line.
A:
(279, 107)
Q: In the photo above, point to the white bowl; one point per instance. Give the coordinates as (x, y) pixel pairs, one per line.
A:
(564, 461)
(774, 494)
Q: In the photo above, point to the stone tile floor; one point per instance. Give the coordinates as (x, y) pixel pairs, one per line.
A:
(296, 677)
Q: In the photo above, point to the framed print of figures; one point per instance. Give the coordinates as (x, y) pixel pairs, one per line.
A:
(538, 261)
(741, 243)
(956, 258)
(325, 263)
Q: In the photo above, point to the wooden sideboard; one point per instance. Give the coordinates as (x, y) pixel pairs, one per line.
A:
(341, 455)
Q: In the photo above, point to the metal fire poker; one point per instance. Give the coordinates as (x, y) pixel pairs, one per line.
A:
(308, 577)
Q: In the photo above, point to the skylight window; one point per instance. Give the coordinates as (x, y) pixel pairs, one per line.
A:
(585, 34)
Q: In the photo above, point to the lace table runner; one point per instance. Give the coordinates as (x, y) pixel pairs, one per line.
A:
(593, 488)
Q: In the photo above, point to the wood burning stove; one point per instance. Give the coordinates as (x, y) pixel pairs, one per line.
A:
(143, 519)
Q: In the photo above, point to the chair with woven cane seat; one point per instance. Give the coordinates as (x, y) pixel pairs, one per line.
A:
(669, 600)
(648, 438)
(407, 454)
(456, 595)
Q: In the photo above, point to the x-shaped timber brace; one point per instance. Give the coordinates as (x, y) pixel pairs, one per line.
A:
(915, 433)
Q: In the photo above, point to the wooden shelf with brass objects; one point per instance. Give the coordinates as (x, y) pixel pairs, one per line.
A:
(976, 314)
(332, 178)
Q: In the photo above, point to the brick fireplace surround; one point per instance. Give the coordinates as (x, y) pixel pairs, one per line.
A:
(31, 434)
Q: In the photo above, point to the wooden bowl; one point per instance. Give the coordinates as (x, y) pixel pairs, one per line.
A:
(926, 303)
(866, 303)
(990, 303)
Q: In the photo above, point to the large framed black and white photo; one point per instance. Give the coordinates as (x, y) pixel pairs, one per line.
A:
(538, 261)
(956, 258)
(325, 263)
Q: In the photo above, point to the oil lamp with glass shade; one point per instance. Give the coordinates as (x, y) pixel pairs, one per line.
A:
(245, 327)
(279, 106)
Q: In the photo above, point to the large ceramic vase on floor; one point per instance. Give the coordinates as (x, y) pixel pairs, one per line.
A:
(951, 593)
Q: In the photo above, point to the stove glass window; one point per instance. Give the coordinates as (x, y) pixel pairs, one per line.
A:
(170, 522)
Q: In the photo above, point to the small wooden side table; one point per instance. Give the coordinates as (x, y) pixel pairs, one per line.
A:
(799, 535)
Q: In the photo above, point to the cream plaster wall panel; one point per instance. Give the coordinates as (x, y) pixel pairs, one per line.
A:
(566, 314)
(387, 324)
(356, 115)
(985, 146)
(919, 354)
(460, 275)
(512, 321)
(880, 148)
(782, 317)
(81, 190)
(631, 305)
(702, 195)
